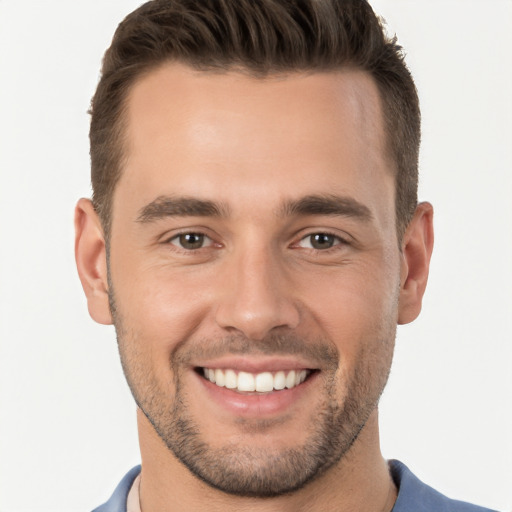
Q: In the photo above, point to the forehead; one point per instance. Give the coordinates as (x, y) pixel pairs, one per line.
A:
(301, 134)
(175, 93)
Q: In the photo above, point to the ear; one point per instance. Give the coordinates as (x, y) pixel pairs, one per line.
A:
(91, 261)
(417, 245)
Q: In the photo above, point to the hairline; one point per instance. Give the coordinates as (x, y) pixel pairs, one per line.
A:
(120, 128)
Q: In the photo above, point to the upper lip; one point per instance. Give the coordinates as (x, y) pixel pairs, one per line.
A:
(257, 364)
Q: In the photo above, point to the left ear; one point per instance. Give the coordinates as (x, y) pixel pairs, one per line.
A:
(417, 245)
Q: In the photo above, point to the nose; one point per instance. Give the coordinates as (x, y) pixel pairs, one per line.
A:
(255, 295)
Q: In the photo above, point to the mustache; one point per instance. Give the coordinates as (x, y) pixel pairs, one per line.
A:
(320, 352)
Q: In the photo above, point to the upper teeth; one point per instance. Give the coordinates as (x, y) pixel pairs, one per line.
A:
(262, 382)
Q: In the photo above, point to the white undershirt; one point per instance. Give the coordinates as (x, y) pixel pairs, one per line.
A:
(133, 501)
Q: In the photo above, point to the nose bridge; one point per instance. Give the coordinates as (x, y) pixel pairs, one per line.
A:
(255, 297)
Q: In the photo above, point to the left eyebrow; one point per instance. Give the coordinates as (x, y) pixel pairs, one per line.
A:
(169, 206)
(331, 205)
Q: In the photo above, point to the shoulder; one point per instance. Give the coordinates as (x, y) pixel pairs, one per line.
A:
(117, 502)
(413, 494)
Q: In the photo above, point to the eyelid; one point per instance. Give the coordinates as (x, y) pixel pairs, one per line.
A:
(207, 240)
(169, 234)
(340, 239)
(169, 238)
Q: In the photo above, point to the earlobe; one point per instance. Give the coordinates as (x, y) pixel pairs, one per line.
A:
(91, 261)
(417, 245)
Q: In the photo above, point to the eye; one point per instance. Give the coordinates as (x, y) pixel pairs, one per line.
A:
(191, 241)
(320, 241)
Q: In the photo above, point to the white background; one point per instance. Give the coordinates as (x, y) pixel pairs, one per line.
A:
(67, 424)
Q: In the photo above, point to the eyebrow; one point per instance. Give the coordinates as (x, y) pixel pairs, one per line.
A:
(169, 206)
(329, 204)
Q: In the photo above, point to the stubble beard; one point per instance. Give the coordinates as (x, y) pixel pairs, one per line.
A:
(242, 469)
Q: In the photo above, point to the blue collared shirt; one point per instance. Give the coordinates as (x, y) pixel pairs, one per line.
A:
(413, 495)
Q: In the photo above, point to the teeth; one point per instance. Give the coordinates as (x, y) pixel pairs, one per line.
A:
(231, 380)
(264, 382)
(220, 379)
(290, 380)
(279, 380)
(246, 382)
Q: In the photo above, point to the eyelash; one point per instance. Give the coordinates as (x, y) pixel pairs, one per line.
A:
(189, 233)
(336, 242)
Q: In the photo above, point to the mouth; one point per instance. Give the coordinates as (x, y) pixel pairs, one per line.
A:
(255, 383)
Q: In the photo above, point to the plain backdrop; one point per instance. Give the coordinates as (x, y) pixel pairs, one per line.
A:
(67, 420)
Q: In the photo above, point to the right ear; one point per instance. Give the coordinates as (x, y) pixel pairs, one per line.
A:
(91, 261)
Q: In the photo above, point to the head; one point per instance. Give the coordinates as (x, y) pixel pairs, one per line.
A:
(259, 39)
(254, 235)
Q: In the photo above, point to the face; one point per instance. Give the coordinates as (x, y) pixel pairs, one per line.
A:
(254, 270)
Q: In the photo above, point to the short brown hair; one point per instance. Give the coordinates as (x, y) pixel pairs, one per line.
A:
(260, 37)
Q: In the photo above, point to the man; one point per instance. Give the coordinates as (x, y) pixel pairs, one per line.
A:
(255, 237)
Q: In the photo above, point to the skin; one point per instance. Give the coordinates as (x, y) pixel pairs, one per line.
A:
(255, 148)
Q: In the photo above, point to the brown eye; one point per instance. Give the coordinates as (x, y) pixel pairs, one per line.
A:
(319, 241)
(322, 241)
(190, 241)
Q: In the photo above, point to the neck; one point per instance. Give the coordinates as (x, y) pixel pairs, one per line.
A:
(360, 481)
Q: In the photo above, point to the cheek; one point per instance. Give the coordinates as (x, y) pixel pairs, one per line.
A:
(157, 313)
(352, 306)
(161, 301)
(358, 315)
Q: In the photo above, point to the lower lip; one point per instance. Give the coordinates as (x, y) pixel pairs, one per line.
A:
(257, 404)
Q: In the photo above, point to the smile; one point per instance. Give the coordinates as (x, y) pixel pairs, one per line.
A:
(264, 382)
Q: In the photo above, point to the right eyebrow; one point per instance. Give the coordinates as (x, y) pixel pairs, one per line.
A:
(330, 204)
(170, 206)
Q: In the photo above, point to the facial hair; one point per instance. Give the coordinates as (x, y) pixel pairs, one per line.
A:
(241, 469)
